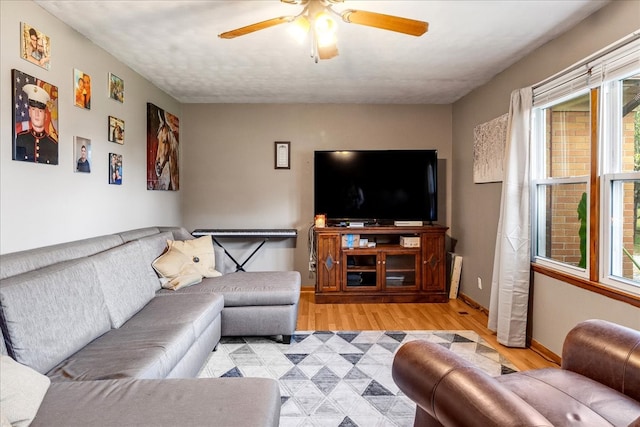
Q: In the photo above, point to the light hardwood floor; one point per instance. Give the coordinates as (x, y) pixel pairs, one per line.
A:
(454, 315)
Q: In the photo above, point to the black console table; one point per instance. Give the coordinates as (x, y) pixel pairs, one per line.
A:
(260, 234)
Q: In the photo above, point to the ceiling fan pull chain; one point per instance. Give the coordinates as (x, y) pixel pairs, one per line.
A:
(314, 44)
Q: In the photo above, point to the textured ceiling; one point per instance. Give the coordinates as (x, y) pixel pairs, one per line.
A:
(174, 45)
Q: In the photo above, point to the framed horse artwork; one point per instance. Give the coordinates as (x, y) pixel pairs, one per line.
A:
(163, 130)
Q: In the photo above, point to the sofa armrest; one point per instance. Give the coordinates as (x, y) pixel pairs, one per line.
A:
(453, 392)
(605, 352)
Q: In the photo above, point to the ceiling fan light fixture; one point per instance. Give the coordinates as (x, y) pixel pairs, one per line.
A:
(299, 28)
(328, 51)
(323, 23)
(325, 29)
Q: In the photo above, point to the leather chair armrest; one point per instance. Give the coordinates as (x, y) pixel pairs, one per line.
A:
(454, 392)
(605, 352)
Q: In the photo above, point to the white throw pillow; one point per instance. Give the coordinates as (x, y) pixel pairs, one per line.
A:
(184, 263)
(22, 390)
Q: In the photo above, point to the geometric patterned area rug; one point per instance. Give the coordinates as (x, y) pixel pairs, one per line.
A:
(341, 378)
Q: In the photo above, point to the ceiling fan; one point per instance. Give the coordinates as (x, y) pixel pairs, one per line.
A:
(316, 19)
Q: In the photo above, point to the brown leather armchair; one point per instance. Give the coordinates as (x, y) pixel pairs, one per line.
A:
(597, 385)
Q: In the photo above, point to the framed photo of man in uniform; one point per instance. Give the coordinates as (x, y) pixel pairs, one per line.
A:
(35, 119)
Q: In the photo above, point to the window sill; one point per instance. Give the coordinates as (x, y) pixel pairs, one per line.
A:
(588, 285)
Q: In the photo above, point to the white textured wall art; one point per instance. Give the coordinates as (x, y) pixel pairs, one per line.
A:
(489, 140)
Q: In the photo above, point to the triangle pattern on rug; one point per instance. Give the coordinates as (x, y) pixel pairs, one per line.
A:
(296, 358)
(342, 378)
(376, 389)
(347, 336)
(352, 357)
(398, 336)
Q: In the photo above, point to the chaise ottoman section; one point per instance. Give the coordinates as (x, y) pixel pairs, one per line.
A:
(255, 303)
(223, 402)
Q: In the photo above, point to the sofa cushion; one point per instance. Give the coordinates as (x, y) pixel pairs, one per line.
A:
(253, 288)
(130, 235)
(179, 233)
(187, 258)
(24, 261)
(198, 310)
(152, 247)
(21, 391)
(127, 281)
(149, 352)
(223, 402)
(59, 308)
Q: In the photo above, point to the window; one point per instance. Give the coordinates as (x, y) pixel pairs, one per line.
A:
(585, 171)
(562, 177)
(621, 183)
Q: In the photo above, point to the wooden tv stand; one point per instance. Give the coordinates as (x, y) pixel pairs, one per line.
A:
(388, 272)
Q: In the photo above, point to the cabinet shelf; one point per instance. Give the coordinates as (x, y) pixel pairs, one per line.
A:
(388, 272)
(361, 269)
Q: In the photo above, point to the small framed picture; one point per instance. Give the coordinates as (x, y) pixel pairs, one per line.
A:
(116, 130)
(82, 89)
(35, 47)
(115, 168)
(81, 154)
(282, 155)
(116, 88)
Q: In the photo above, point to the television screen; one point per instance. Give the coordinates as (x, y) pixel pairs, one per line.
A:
(376, 186)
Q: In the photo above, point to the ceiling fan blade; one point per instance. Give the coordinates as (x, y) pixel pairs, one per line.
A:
(386, 22)
(255, 27)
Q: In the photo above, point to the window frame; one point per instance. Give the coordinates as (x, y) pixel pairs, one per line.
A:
(604, 171)
(538, 160)
(611, 173)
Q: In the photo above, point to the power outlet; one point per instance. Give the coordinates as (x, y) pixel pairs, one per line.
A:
(479, 283)
(312, 266)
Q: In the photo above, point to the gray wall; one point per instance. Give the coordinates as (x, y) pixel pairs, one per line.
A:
(44, 204)
(229, 175)
(476, 206)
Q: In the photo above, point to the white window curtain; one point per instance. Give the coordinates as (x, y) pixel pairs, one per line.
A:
(510, 283)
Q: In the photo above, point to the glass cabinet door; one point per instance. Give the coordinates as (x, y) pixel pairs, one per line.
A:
(401, 271)
(362, 271)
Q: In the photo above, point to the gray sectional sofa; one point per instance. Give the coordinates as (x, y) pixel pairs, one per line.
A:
(120, 350)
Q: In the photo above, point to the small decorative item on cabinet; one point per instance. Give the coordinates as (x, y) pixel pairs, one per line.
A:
(410, 241)
(350, 240)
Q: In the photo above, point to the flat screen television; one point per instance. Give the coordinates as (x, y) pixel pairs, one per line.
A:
(376, 186)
